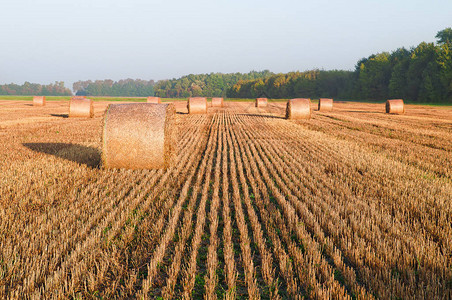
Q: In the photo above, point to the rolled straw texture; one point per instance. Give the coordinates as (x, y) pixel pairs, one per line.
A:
(197, 105)
(261, 102)
(395, 106)
(139, 136)
(39, 100)
(154, 100)
(325, 104)
(217, 102)
(81, 107)
(299, 108)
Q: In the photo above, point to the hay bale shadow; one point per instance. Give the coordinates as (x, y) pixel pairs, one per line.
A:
(84, 155)
(60, 115)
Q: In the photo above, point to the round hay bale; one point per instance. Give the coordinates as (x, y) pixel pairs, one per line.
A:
(39, 100)
(261, 102)
(217, 102)
(395, 106)
(299, 108)
(139, 136)
(153, 100)
(325, 104)
(197, 105)
(81, 107)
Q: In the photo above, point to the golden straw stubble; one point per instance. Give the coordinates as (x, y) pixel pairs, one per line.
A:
(217, 102)
(261, 102)
(197, 105)
(39, 100)
(299, 108)
(395, 106)
(139, 136)
(325, 104)
(81, 107)
(153, 100)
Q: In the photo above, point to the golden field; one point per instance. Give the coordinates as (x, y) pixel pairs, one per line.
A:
(353, 203)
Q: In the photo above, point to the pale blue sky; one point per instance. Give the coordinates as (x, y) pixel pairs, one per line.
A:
(43, 41)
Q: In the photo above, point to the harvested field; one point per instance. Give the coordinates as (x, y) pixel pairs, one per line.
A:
(351, 203)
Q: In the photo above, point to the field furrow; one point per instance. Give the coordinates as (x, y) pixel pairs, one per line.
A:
(316, 184)
(173, 221)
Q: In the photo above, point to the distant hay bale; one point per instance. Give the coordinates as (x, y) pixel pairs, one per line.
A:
(395, 106)
(261, 102)
(81, 107)
(325, 104)
(217, 102)
(139, 136)
(39, 100)
(299, 108)
(153, 100)
(78, 97)
(197, 105)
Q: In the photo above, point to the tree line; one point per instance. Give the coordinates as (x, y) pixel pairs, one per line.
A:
(52, 89)
(420, 74)
(315, 83)
(122, 88)
(206, 85)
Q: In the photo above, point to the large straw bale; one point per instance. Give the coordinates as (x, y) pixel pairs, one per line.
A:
(217, 102)
(81, 107)
(139, 136)
(197, 105)
(154, 100)
(261, 102)
(395, 106)
(325, 104)
(39, 100)
(299, 108)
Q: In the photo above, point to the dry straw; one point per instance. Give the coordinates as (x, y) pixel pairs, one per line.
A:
(325, 104)
(153, 100)
(39, 100)
(81, 107)
(395, 106)
(139, 136)
(261, 102)
(197, 105)
(217, 102)
(299, 108)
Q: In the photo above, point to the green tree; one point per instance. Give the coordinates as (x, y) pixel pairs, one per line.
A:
(400, 60)
(374, 76)
(52, 89)
(420, 76)
(444, 36)
(125, 88)
(207, 85)
(444, 61)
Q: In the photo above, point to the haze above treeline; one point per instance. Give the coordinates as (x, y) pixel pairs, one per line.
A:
(419, 74)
